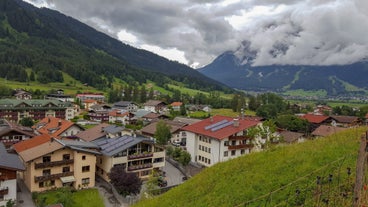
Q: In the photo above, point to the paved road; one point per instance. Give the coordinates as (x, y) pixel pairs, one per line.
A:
(24, 196)
(173, 175)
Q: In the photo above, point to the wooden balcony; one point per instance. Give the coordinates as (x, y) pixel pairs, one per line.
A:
(239, 138)
(53, 164)
(52, 177)
(4, 190)
(139, 167)
(140, 156)
(240, 146)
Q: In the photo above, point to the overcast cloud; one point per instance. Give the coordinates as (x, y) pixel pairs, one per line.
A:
(194, 32)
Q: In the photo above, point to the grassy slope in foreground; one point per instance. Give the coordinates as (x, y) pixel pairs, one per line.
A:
(239, 180)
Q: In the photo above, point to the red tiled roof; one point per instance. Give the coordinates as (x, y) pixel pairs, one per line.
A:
(93, 133)
(50, 123)
(30, 143)
(317, 119)
(199, 127)
(176, 103)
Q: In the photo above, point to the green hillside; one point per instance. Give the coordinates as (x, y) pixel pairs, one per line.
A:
(273, 177)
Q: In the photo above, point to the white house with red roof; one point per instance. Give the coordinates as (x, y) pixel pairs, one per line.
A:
(219, 138)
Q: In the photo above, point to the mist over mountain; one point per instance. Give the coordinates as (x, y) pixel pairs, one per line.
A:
(237, 69)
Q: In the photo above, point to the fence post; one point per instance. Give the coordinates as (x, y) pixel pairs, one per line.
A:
(360, 170)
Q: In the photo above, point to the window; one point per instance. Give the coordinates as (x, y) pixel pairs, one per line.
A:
(85, 168)
(46, 159)
(209, 161)
(226, 143)
(226, 153)
(46, 172)
(233, 143)
(233, 153)
(209, 150)
(83, 157)
(85, 181)
(66, 169)
(200, 147)
(40, 185)
(66, 157)
(242, 151)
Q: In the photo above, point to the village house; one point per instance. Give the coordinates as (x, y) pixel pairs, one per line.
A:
(326, 130)
(316, 120)
(154, 106)
(219, 138)
(137, 154)
(290, 137)
(88, 103)
(99, 97)
(57, 127)
(11, 133)
(125, 105)
(37, 109)
(346, 121)
(175, 130)
(21, 94)
(10, 164)
(118, 116)
(176, 106)
(54, 163)
(59, 95)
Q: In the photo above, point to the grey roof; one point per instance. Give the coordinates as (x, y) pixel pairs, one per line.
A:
(122, 104)
(10, 161)
(112, 129)
(80, 145)
(140, 113)
(186, 120)
(112, 146)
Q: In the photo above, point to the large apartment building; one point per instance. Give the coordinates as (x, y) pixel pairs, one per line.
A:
(53, 163)
(219, 138)
(37, 109)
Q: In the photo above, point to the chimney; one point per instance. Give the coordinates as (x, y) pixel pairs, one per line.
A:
(211, 119)
(236, 122)
(59, 123)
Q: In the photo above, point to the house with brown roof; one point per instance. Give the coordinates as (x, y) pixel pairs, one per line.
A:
(326, 130)
(219, 138)
(290, 137)
(346, 121)
(93, 133)
(150, 117)
(57, 163)
(154, 106)
(175, 130)
(10, 164)
(57, 127)
(21, 94)
(11, 133)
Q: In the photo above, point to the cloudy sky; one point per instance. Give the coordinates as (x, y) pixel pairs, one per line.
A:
(194, 32)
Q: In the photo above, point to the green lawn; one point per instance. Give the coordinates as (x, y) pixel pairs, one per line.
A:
(272, 177)
(80, 198)
(222, 111)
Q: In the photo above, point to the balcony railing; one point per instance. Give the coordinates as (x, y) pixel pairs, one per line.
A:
(52, 177)
(139, 156)
(240, 146)
(239, 137)
(139, 167)
(4, 190)
(52, 164)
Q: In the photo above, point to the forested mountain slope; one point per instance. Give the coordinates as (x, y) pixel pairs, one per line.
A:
(49, 42)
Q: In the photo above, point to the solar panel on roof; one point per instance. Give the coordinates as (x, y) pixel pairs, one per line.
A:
(215, 124)
(222, 126)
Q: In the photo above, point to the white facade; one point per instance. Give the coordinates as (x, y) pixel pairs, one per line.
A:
(11, 187)
(208, 151)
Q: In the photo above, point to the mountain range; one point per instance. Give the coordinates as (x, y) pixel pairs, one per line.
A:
(334, 80)
(49, 42)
